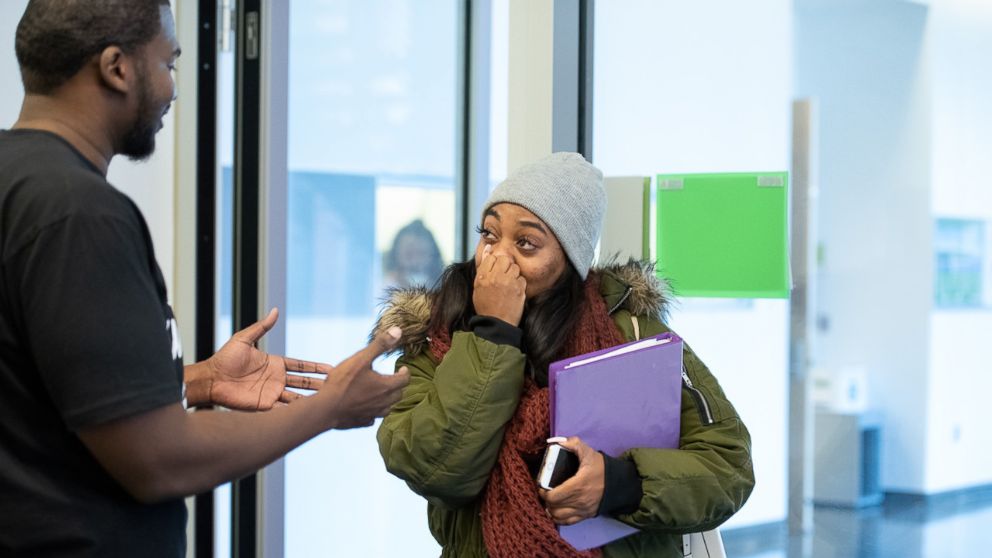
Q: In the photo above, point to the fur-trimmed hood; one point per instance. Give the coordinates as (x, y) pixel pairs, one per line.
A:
(631, 286)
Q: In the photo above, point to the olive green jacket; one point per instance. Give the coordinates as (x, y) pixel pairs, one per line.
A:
(443, 437)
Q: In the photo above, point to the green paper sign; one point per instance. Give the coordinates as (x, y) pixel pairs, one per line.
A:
(724, 235)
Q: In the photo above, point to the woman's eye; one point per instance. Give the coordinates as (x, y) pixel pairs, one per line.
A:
(526, 244)
(484, 233)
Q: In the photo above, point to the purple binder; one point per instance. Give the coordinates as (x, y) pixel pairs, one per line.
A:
(628, 396)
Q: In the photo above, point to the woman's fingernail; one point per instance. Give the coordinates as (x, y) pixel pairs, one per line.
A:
(395, 332)
(557, 440)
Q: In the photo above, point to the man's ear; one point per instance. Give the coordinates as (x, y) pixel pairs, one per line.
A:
(115, 69)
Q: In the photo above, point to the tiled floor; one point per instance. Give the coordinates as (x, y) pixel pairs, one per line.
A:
(959, 526)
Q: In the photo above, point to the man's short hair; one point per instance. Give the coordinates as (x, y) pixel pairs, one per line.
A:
(55, 38)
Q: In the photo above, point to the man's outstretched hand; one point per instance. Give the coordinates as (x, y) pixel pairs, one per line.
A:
(354, 394)
(240, 376)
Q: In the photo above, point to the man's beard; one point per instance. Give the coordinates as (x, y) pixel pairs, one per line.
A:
(139, 142)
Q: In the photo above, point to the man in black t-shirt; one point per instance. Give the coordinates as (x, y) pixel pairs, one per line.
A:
(96, 450)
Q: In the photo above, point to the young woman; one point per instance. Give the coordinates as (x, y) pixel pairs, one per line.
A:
(474, 419)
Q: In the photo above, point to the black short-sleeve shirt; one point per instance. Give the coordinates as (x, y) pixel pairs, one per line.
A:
(86, 337)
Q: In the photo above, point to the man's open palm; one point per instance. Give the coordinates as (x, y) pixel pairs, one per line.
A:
(248, 379)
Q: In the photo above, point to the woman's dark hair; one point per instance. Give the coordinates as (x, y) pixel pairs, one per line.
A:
(548, 320)
(55, 38)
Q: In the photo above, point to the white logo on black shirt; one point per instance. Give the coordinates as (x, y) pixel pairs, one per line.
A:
(177, 345)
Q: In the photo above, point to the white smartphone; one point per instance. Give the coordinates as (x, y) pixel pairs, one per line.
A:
(559, 464)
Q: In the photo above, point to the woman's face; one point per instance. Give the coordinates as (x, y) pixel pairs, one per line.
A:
(517, 233)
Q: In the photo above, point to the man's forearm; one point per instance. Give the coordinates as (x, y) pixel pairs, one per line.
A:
(167, 453)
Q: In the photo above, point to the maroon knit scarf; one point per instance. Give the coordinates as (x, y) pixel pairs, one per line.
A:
(514, 522)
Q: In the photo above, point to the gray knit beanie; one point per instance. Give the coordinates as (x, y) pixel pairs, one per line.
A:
(565, 192)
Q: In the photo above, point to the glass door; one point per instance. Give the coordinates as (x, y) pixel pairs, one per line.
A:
(373, 146)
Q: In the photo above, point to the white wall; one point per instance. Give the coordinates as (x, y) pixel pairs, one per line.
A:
(150, 184)
(865, 64)
(693, 87)
(958, 437)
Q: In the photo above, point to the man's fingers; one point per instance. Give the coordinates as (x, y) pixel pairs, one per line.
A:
(362, 422)
(382, 342)
(306, 366)
(303, 382)
(400, 380)
(257, 330)
(289, 396)
(394, 390)
(385, 410)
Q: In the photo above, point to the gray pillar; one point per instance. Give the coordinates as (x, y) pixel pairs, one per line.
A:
(802, 315)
